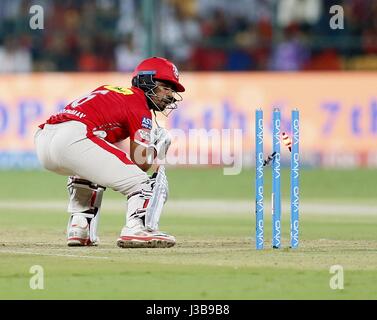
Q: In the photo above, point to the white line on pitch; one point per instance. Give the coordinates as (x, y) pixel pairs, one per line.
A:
(206, 205)
(52, 254)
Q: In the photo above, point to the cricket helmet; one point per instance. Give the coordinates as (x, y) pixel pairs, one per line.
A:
(156, 68)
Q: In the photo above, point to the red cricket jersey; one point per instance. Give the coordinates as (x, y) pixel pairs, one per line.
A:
(111, 113)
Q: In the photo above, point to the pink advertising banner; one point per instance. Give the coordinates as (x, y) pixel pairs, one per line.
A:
(338, 112)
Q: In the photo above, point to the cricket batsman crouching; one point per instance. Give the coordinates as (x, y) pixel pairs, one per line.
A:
(79, 142)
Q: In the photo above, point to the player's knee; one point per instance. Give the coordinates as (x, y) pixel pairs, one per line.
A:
(85, 196)
(131, 184)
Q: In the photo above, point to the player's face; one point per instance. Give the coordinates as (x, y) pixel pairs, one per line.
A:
(164, 95)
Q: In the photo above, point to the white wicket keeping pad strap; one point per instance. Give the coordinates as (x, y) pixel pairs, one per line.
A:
(160, 193)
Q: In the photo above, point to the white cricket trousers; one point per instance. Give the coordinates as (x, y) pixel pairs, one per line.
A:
(65, 149)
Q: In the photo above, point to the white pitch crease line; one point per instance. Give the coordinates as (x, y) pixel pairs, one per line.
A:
(204, 205)
(52, 254)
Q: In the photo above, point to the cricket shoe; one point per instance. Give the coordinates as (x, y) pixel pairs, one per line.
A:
(78, 233)
(142, 238)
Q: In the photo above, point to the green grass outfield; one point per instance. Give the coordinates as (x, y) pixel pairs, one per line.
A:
(215, 256)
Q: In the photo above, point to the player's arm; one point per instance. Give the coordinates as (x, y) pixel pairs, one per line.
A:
(148, 145)
(140, 154)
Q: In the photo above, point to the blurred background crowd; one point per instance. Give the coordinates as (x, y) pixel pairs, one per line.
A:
(112, 35)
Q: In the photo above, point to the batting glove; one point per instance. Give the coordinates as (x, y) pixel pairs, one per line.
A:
(160, 142)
